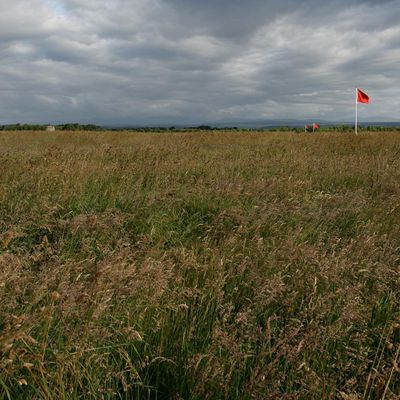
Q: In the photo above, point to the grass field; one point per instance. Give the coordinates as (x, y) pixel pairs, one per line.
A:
(199, 265)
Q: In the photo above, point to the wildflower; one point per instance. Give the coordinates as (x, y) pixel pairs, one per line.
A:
(55, 296)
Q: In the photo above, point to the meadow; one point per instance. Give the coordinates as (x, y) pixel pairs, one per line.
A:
(199, 265)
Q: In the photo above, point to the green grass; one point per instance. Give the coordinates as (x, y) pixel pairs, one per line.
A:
(219, 265)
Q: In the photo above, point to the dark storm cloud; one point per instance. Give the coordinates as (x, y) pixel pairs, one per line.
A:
(154, 61)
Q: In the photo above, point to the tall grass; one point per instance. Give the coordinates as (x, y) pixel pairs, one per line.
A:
(199, 266)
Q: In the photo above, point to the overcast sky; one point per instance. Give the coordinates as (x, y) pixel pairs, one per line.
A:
(197, 61)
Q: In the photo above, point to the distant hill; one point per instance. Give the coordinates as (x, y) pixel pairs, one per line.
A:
(249, 124)
(296, 123)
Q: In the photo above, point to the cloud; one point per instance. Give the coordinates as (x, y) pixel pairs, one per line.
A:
(185, 61)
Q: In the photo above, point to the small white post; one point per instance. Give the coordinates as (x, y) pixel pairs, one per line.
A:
(356, 124)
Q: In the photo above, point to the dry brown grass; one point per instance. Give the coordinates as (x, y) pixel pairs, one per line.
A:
(214, 265)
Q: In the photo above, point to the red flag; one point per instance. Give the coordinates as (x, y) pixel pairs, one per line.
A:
(362, 97)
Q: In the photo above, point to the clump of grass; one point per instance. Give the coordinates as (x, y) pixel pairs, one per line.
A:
(199, 266)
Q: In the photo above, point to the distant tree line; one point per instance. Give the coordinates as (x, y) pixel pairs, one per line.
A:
(78, 127)
(22, 127)
(39, 127)
(93, 127)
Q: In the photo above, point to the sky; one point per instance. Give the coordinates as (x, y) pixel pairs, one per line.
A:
(149, 62)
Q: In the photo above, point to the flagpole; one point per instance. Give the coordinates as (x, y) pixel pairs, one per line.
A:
(356, 124)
